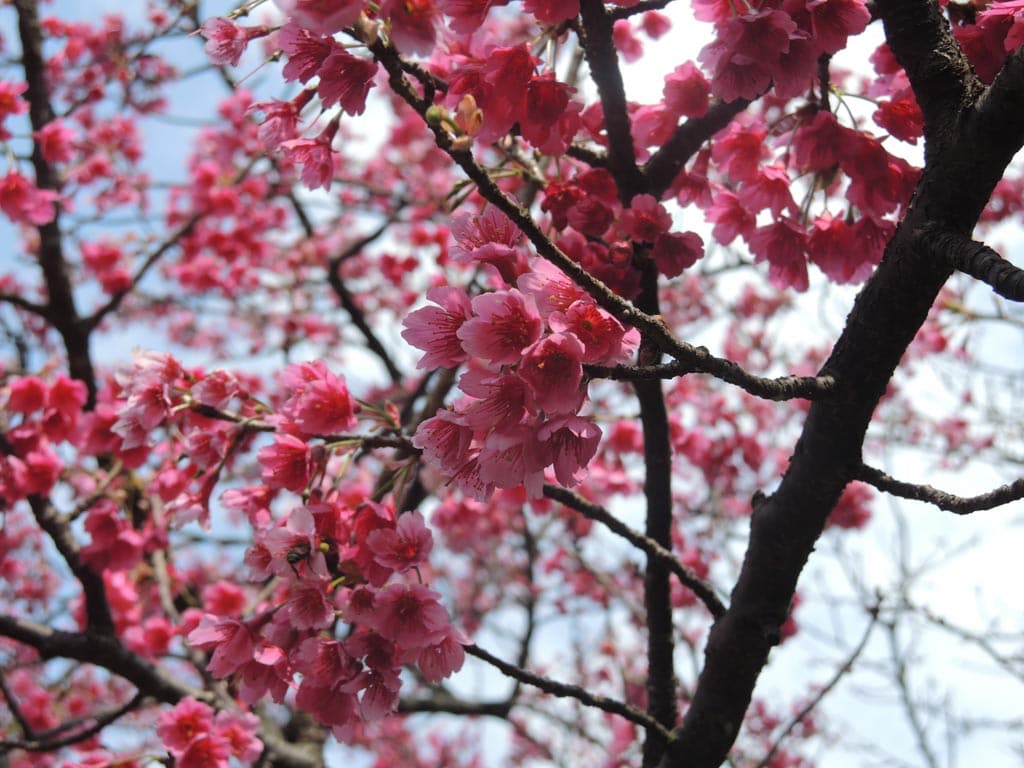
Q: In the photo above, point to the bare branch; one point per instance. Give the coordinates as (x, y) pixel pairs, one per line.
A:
(959, 505)
(643, 6)
(150, 680)
(349, 303)
(97, 609)
(702, 361)
(984, 264)
(563, 690)
(603, 58)
(23, 303)
(665, 164)
(51, 739)
(653, 549)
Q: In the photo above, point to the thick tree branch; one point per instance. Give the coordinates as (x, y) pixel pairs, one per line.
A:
(665, 164)
(562, 690)
(61, 308)
(97, 609)
(959, 176)
(959, 505)
(984, 264)
(704, 591)
(103, 651)
(603, 58)
(942, 78)
(702, 361)
(150, 680)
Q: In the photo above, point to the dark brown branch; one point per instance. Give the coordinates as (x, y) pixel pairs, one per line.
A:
(97, 609)
(150, 680)
(588, 156)
(62, 311)
(959, 505)
(984, 264)
(942, 78)
(12, 706)
(23, 303)
(702, 361)
(980, 262)
(445, 702)
(563, 690)
(959, 176)
(665, 164)
(52, 740)
(351, 306)
(603, 58)
(704, 591)
(103, 651)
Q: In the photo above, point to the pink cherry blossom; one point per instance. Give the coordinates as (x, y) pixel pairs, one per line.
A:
(226, 41)
(434, 330)
(570, 442)
(687, 91)
(504, 324)
(553, 369)
(324, 17)
(319, 401)
(345, 80)
(410, 615)
(405, 546)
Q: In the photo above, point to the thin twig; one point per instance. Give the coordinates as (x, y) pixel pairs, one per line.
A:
(839, 674)
(704, 591)
(702, 361)
(563, 690)
(960, 505)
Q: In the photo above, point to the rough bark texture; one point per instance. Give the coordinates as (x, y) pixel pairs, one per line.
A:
(971, 134)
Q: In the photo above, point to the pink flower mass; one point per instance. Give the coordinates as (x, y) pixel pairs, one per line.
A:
(478, 383)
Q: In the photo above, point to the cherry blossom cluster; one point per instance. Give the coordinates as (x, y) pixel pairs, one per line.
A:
(196, 735)
(327, 561)
(745, 184)
(38, 416)
(528, 341)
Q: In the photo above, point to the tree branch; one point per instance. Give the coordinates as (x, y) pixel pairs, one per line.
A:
(150, 680)
(603, 58)
(984, 264)
(348, 301)
(942, 78)
(663, 166)
(23, 303)
(702, 361)
(959, 505)
(97, 609)
(959, 176)
(51, 740)
(562, 690)
(62, 312)
(704, 591)
(979, 261)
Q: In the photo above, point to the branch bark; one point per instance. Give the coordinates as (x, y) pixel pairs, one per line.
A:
(960, 173)
(960, 505)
